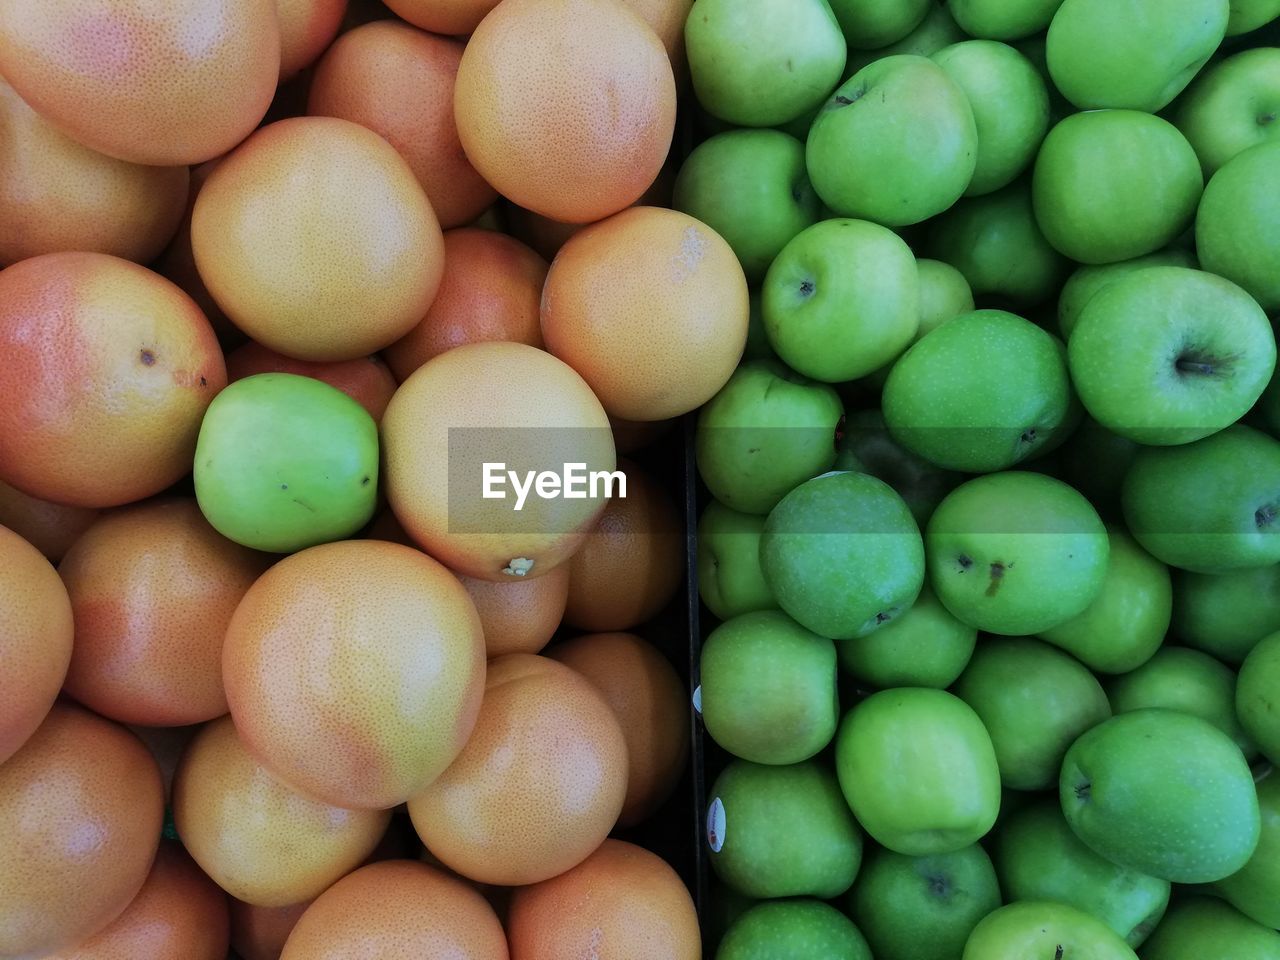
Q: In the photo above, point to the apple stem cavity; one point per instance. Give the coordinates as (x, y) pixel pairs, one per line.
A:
(1057, 954)
(965, 562)
(1084, 791)
(1266, 516)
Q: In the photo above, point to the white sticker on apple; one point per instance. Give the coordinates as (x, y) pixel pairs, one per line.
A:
(715, 825)
(697, 699)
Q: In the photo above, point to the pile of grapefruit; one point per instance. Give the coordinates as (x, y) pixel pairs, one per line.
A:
(277, 679)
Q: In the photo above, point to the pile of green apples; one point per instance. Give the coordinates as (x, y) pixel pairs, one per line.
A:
(992, 541)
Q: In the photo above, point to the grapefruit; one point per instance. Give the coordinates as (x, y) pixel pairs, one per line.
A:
(107, 370)
(366, 380)
(354, 671)
(631, 564)
(621, 903)
(454, 17)
(498, 403)
(81, 806)
(317, 241)
(307, 27)
(178, 913)
(152, 588)
(651, 705)
(36, 629)
(522, 615)
(259, 933)
(49, 527)
(57, 195)
(398, 910)
(566, 106)
(260, 840)
(666, 18)
(398, 82)
(650, 306)
(160, 83)
(537, 787)
(491, 290)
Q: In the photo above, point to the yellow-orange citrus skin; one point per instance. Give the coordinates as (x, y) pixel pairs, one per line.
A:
(566, 106)
(153, 587)
(108, 369)
(651, 705)
(631, 564)
(520, 616)
(259, 933)
(317, 241)
(450, 17)
(667, 18)
(160, 83)
(398, 910)
(57, 195)
(538, 786)
(354, 671)
(500, 403)
(622, 903)
(260, 840)
(398, 82)
(366, 380)
(307, 27)
(35, 639)
(49, 527)
(650, 306)
(491, 290)
(178, 913)
(81, 806)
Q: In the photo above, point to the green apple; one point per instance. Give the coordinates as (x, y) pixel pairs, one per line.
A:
(1042, 930)
(924, 647)
(936, 30)
(1197, 928)
(873, 24)
(842, 554)
(767, 431)
(757, 347)
(1089, 279)
(1209, 506)
(1168, 355)
(1114, 184)
(922, 908)
(896, 143)
(1126, 623)
(919, 771)
(1095, 461)
(769, 688)
(1226, 614)
(793, 928)
(1136, 55)
(1163, 793)
(1010, 107)
(730, 581)
(1232, 106)
(759, 63)
(1248, 15)
(1238, 225)
(751, 187)
(1038, 857)
(1188, 681)
(1003, 19)
(1034, 701)
(1016, 553)
(1258, 696)
(981, 392)
(868, 447)
(842, 299)
(285, 462)
(995, 241)
(944, 295)
(782, 831)
(1254, 890)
